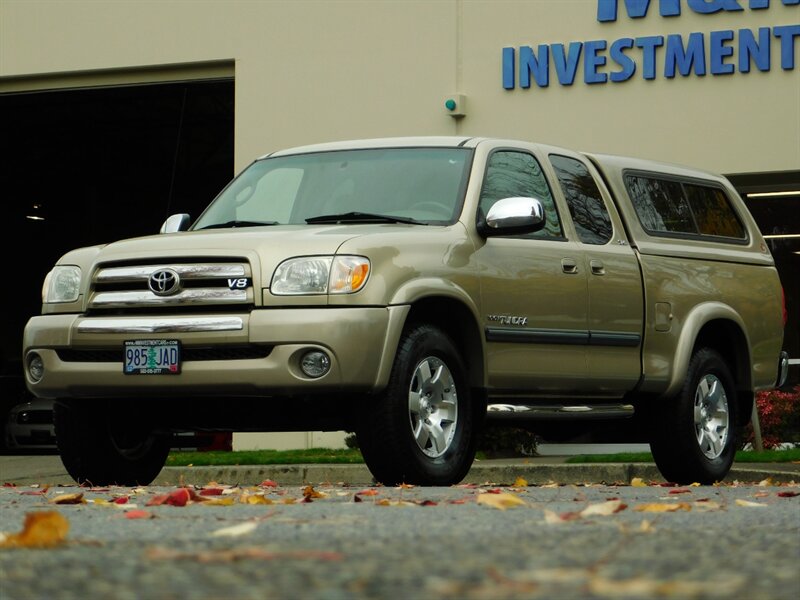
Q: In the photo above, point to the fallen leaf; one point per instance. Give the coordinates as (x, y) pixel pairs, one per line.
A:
(76, 498)
(138, 514)
(788, 494)
(252, 499)
(604, 508)
(742, 502)
(662, 507)
(121, 500)
(268, 483)
(309, 492)
(680, 491)
(500, 501)
(223, 502)
(43, 529)
(521, 482)
(211, 491)
(367, 493)
(236, 530)
(766, 482)
(638, 482)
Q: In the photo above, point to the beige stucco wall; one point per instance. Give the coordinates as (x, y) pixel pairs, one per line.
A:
(310, 71)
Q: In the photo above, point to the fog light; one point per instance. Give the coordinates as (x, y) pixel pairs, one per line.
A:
(35, 367)
(315, 363)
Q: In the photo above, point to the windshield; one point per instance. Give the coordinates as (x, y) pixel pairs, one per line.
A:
(405, 185)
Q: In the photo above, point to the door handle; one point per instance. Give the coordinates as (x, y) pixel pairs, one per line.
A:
(597, 267)
(569, 266)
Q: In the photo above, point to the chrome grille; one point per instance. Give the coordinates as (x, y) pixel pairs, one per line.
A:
(202, 284)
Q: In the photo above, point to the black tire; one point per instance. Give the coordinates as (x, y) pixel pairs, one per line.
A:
(698, 445)
(393, 429)
(100, 444)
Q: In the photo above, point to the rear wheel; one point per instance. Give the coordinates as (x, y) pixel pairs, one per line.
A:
(422, 429)
(695, 434)
(100, 444)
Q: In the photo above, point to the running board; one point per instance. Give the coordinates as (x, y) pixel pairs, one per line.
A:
(559, 412)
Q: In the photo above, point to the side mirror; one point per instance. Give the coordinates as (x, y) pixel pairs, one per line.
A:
(175, 223)
(513, 216)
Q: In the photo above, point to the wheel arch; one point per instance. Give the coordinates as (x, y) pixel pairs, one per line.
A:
(717, 326)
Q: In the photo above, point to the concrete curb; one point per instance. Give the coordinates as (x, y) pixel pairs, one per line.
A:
(505, 474)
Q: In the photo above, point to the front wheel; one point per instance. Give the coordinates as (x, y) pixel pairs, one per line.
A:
(100, 444)
(422, 429)
(695, 433)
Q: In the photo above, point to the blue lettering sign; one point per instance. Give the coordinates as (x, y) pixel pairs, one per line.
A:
(529, 63)
(566, 63)
(592, 60)
(786, 34)
(627, 64)
(607, 9)
(752, 51)
(648, 45)
(676, 56)
(720, 51)
(508, 68)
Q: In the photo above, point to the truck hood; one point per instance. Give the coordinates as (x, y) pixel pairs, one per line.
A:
(264, 247)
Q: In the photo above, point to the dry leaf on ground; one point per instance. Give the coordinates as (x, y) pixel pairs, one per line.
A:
(662, 507)
(501, 501)
(43, 529)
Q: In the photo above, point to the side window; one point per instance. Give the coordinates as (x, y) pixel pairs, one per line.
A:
(660, 205)
(713, 212)
(584, 199)
(673, 207)
(512, 173)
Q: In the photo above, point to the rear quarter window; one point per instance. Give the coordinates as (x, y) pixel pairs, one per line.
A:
(672, 207)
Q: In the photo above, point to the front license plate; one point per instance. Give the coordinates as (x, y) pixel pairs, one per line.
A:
(152, 357)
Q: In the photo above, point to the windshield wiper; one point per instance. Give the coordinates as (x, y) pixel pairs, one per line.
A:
(360, 217)
(238, 224)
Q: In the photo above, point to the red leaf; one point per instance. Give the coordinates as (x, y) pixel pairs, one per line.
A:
(211, 492)
(680, 491)
(788, 494)
(138, 514)
(157, 500)
(428, 503)
(367, 493)
(494, 491)
(121, 500)
(178, 497)
(268, 483)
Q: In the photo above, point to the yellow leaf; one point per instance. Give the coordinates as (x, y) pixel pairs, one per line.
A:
(520, 482)
(663, 507)
(251, 499)
(638, 482)
(69, 499)
(603, 508)
(43, 529)
(223, 502)
(741, 502)
(500, 501)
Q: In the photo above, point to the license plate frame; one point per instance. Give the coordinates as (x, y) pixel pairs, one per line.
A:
(151, 357)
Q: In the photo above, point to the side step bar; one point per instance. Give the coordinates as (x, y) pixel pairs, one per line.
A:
(556, 412)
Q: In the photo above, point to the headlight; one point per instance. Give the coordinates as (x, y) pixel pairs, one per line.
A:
(62, 284)
(320, 275)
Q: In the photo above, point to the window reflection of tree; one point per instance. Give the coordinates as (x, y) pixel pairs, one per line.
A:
(510, 174)
(585, 202)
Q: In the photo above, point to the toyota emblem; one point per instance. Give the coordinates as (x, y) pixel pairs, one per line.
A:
(164, 282)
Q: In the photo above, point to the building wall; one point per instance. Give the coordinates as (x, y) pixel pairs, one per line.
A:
(309, 71)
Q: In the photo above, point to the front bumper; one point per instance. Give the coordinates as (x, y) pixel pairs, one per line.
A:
(359, 341)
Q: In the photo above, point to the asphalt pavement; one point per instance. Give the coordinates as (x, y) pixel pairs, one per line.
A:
(538, 470)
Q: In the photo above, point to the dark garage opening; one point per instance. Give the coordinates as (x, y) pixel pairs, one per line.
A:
(93, 165)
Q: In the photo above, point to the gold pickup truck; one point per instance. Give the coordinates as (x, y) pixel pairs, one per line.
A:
(409, 289)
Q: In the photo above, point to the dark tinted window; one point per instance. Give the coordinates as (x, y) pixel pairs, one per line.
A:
(712, 212)
(668, 206)
(511, 173)
(660, 204)
(583, 197)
